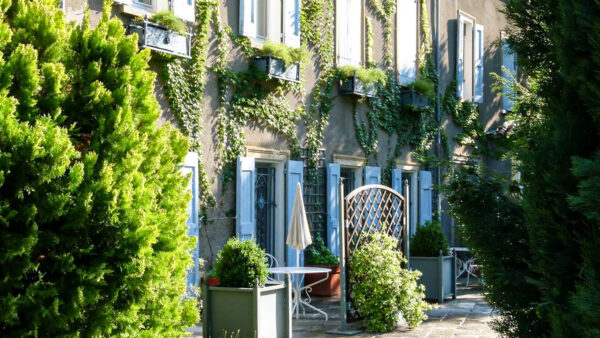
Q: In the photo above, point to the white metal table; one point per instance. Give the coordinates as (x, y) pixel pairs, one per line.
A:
(469, 266)
(300, 271)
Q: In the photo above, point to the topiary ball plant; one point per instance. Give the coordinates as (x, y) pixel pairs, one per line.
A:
(240, 263)
(428, 240)
(381, 288)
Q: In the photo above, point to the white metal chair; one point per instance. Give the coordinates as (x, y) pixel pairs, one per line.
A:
(271, 263)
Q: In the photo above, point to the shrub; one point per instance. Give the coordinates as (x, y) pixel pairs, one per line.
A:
(92, 202)
(319, 254)
(381, 288)
(288, 54)
(428, 240)
(168, 19)
(240, 263)
(492, 225)
(365, 75)
(423, 87)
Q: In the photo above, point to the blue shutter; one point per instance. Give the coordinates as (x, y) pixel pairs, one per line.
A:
(372, 175)
(190, 167)
(397, 180)
(509, 73)
(333, 207)
(425, 210)
(294, 174)
(245, 221)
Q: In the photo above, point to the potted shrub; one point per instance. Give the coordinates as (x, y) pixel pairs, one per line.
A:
(319, 255)
(281, 61)
(360, 81)
(428, 247)
(418, 93)
(381, 288)
(245, 304)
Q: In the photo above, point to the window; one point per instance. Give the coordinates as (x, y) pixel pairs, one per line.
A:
(509, 74)
(469, 58)
(277, 21)
(183, 9)
(144, 2)
(406, 41)
(349, 22)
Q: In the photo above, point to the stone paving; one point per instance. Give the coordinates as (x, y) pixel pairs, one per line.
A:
(467, 316)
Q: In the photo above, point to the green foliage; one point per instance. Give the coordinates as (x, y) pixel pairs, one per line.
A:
(319, 254)
(493, 226)
(92, 202)
(382, 288)
(423, 87)
(428, 240)
(464, 114)
(240, 264)
(288, 54)
(365, 75)
(168, 19)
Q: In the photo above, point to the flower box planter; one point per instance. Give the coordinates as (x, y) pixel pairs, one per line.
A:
(410, 96)
(274, 67)
(160, 38)
(438, 275)
(248, 312)
(329, 287)
(353, 86)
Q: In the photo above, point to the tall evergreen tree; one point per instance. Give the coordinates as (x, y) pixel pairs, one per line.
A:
(92, 201)
(557, 143)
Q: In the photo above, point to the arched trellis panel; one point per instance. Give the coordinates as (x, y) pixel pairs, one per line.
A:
(372, 209)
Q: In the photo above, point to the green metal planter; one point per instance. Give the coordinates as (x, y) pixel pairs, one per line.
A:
(248, 312)
(439, 275)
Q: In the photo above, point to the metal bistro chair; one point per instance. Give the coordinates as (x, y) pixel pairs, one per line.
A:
(271, 263)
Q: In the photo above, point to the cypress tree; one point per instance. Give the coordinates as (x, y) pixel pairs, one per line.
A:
(92, 202)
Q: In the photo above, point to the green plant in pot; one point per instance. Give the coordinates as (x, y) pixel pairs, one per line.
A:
(287, 54)
(169, 20)
(244, 302)
(423, 87)
(319, 255)
(428, 250)
(360, 81)
(279, 61)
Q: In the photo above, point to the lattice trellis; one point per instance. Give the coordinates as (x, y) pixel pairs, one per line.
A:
(370, 209)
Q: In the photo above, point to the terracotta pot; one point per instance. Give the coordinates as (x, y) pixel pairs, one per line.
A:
(211, 281)
(329, 287)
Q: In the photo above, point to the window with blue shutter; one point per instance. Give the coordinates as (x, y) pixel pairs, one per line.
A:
(349, 40)
(509, 74)
(190, 168)
(245, 221)
(425, 203)
(479, 50)
(464, 56)
(294, 174)
(333, 207)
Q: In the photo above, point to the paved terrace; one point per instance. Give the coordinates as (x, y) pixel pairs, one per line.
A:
(467, 316)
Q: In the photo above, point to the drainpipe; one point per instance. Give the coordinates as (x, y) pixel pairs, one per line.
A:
(437, 106)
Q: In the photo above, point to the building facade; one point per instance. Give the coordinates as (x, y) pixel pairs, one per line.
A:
(257, 135)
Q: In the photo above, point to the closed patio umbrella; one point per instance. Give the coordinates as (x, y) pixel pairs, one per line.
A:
(299, 232)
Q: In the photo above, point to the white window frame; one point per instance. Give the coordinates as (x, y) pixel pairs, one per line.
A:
(275, 29)
(463, 18)
(355, 163)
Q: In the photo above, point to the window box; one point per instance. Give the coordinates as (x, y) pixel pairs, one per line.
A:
(412, 97)
(353, 86)
(274, 67)
(439, 275)
(160, 38)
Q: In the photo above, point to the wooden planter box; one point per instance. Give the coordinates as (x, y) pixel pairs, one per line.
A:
(410, 96)
(439, 276)
(275, 68)
(329, 287)
(248, 312)
(160, 38)
(353, 86)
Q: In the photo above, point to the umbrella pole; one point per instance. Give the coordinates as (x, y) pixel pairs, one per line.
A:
(297, 257)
